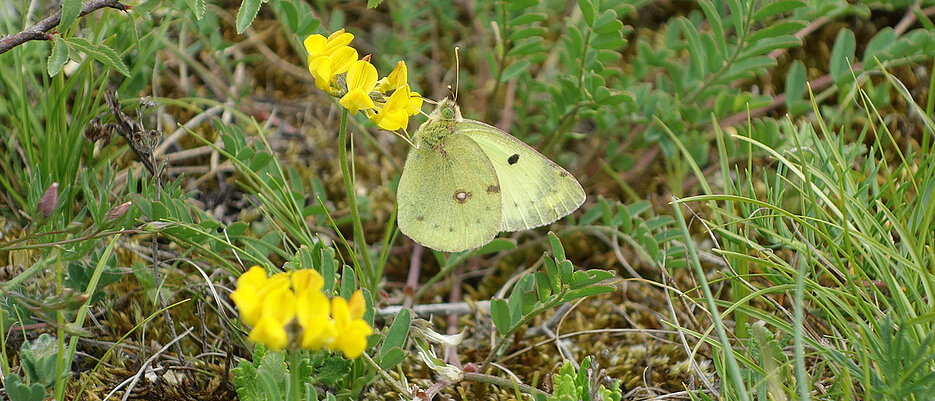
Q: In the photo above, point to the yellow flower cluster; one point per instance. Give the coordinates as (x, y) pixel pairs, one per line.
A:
(272, 305)
(388, 102)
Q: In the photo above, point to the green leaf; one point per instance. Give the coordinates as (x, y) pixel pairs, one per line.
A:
(587, 292)
(71, 9)
(747, 68)
(607, 22)
(329, 270)
(246, 14)
(514, 69)
(585, 278)
(878, 44)
(396, 335)
(101, 53)
(555, 278)
(557, 250)
(291, 12)
(587, 11)
(778, 29)
(500, 314)
(566, 269)
(261, 160)
(528, 19)
(524, 33)
(391, 357)
(529, 46)
(841, 55)
(348, 282)
(373, 3)
(795, 83)
(767, 45)
(197, 7)
(717, 27)
(543, 286)
(19, 391)
(520, 5)
(695, 48)
(497, 245)
(776, 7)
(58, 57)
(737, 14)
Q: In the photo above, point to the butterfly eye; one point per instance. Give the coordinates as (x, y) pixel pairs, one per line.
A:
(448, 113)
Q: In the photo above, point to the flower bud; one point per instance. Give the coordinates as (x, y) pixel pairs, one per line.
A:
(49, 200)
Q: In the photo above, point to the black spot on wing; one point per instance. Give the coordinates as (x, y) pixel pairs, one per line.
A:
(493, 189)
(513, 159)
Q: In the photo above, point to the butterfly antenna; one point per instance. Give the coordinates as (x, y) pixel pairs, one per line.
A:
(457, 72)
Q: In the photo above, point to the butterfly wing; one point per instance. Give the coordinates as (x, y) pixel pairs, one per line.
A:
(447, 196)
(534, 190)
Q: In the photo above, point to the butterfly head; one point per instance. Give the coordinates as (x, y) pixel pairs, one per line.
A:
(446, 110)
(441, 123)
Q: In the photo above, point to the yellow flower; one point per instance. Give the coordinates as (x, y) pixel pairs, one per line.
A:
(325, 68)
(352, 330)
(271, 304)
(317, 329)
(328, 57)
(307, 279)
(278, 310)
(318, 45)
(247, 297)
(395, 80)
(268, 331)
(361, 80)
(395, 113)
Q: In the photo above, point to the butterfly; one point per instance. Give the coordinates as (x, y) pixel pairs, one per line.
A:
(465, 181)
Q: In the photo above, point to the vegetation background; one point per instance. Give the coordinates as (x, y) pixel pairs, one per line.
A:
(759, 179)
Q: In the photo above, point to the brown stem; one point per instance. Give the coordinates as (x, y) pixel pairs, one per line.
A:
(38, 31)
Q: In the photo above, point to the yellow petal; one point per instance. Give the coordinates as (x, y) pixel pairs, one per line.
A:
(311, 305)
(268, 331)
(248, 304)
(391, 120)
(415, 103)
(255, 277)
(362, 75)
(315, 45)
(356, 306)
(320, 67)
(353, 341)
(279, 305)
(398, 77)
(307, 279)
(319, 333)
(342, 59)
(337, 40)
(356, 100)
(340, 313)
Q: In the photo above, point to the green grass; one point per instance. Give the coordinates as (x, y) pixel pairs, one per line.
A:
(764, 199)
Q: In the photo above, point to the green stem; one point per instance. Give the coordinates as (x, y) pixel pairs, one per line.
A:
(499, 381)
(359, 242)
(386, 376)
(294, 392)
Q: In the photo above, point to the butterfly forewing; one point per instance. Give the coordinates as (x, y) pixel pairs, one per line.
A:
(448, 195)
(534, 190)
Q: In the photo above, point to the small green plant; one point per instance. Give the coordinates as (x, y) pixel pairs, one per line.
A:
(583, 384)
(38, 359)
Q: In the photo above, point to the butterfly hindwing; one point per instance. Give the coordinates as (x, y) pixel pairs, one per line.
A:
(448, 195)
(534, 190)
